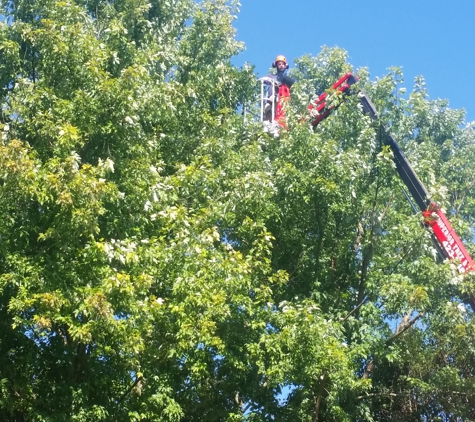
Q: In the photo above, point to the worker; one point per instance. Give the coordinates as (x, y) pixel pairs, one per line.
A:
(280, 63)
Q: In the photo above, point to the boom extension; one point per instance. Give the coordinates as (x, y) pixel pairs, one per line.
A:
(451, 245)
(320, 108)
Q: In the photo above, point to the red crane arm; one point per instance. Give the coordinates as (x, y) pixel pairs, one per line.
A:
(450, 244)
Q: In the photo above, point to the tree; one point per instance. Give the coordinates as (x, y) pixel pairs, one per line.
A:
(160, 260)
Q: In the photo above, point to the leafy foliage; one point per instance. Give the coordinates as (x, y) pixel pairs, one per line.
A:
(160, 260)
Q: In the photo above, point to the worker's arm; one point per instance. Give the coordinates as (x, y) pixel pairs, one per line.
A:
(287, 80)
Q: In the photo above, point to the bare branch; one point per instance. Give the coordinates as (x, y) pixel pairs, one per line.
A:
(318, 399)
(127, 392)
(382, 395)
(355, 309)
(403, 329)
(369, 368)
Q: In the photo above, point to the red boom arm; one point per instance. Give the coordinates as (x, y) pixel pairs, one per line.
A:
(448, 238)
(451, 247)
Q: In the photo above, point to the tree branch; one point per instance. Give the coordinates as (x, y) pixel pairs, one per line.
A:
(369, 253)
(355, 309)
(382, 395)
(404, 328)
(318, 399)
(408, 394)
(368, 369)
(401, 329)
(127, 392)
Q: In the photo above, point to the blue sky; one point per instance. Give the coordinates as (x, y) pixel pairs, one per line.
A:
(431, 38)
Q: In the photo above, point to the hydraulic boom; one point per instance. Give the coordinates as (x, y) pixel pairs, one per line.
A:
(449, 244)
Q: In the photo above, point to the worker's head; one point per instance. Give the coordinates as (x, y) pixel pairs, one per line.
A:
(280, 63)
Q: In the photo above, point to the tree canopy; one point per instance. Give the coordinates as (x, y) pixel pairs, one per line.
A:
(161, 259)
